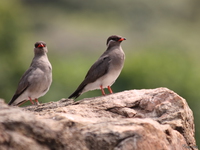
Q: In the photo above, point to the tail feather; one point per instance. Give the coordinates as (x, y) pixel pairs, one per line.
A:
(78, 91)
(13, 99)
(16, 95)
(76, 94)
(18, 104)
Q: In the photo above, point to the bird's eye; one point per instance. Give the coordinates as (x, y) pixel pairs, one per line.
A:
(36, 45)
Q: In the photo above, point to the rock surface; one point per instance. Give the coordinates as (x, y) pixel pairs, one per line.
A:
(154, 119)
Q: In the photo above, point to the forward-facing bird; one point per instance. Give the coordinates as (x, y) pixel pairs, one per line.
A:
(105, 70)
(36, 80)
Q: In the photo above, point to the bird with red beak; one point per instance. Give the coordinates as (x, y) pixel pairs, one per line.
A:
(36, 80)
(103, 73)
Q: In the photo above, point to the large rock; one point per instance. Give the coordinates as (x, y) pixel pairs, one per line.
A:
(155, 119)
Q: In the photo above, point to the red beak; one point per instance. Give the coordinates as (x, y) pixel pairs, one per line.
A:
(121, 39)
(40, 45)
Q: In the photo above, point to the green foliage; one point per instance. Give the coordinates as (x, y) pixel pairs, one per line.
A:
(9, 35)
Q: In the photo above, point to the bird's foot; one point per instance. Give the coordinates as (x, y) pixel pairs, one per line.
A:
(110, 90)
(31, 100)
(37, 102)
(102, 90)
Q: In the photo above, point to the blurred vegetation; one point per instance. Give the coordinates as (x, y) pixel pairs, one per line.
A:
(162, 46)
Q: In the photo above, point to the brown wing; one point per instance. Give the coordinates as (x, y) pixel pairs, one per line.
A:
(97, 70)
(23, 84)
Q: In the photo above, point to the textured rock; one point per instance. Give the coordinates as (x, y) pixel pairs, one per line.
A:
(155, 119)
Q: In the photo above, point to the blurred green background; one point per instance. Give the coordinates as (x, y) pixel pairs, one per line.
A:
(162, 47)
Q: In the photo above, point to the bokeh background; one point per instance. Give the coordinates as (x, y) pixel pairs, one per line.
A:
(162, 47)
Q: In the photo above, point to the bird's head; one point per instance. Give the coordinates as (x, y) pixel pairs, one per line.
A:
(114, 40)
(40, 47)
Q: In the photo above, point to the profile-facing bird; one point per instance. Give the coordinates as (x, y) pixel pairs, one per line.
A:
(105, 70)
(36, 81)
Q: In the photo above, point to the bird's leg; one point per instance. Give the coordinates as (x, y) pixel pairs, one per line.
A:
(110, 90)
(102, 90)
(31, 100)
(37, 102)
